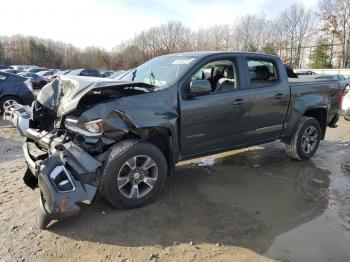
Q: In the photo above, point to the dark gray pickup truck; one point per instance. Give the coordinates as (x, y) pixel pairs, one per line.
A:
(124, 137)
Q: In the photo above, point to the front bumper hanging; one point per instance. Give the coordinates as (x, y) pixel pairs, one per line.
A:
(66, 177)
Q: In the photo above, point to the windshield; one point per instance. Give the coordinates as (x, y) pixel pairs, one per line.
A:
(161, 71)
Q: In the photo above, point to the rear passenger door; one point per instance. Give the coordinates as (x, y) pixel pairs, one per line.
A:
(269, 92)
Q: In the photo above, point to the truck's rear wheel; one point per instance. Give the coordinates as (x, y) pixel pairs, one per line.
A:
(133, 175)
(306, 140)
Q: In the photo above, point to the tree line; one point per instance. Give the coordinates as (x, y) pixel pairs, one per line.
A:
(325, 30)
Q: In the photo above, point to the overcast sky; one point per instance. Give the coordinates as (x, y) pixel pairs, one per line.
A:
(104, 23)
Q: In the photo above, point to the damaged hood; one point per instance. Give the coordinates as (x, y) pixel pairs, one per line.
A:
(64, 93)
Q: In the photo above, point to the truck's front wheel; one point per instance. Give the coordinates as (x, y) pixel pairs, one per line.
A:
(306, 140)
(133, 175)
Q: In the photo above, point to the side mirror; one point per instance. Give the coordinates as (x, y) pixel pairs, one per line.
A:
(200, 87)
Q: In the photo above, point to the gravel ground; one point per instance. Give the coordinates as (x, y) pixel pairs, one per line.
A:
(245, 205)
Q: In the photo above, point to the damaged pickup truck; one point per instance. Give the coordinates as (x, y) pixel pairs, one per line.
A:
(124, 137)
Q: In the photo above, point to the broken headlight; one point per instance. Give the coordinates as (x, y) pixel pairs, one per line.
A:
(95, 126)
(91, 128)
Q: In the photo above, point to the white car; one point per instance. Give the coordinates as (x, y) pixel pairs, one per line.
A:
(346, 103)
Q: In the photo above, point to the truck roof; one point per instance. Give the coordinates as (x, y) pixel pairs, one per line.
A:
(210, 53)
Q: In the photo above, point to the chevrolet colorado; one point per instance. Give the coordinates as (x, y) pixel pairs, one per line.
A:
(124, 137)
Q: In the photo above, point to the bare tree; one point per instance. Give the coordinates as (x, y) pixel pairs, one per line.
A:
(295, 25)
(336, 13)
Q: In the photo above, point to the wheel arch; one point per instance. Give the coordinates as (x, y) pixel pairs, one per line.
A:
(320, 114)
(162, 138)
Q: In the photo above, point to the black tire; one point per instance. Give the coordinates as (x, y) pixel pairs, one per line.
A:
(6, 99)
(295, 148)
(42, 217)
(119, 155)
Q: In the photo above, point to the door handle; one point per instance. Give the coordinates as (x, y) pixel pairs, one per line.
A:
(279, 96)
(238, 102)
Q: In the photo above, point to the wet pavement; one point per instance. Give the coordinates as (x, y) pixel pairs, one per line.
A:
(254, 204)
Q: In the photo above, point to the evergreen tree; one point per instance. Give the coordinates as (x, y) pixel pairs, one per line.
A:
(269, 49)
(320, 57)
(3, 60)
(38, 53)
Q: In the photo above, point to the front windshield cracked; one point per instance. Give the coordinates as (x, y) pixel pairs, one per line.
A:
(160, 72)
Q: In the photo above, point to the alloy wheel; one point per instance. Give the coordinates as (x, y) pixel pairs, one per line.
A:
(137, 177)
(309, 139)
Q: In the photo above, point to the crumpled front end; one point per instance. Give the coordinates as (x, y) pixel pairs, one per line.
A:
(65, 173)
(71, 128)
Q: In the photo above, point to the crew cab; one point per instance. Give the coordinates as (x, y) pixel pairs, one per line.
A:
(124, 137)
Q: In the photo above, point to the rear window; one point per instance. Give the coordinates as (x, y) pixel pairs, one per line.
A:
(262, 73)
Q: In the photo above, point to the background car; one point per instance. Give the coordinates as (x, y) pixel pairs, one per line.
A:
(37, 80)
(343, 81)
(116, 74)
(55, 75)
(346, 103)
(36, 70)
(305, 73)
(85, 72)
(4, 67)
(11, 71)
(48, 72)
(22, 67)
(106, 73)
(14, 89)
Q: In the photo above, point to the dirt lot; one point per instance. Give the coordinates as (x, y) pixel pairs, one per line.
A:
(247, 205)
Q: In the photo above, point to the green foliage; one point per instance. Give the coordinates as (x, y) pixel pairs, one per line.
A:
(3, 59)
(38, 53)
(269, 49)
(252, 48)
(320, 57)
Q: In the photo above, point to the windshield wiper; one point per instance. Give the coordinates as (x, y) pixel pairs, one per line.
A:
(153, 78)
(134, 75)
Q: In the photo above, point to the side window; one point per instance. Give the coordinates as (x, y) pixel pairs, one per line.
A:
(221, 75)
(341, 78)
(262, 73)
(3, 77)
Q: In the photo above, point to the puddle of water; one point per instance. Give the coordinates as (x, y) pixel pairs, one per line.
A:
(327, 237)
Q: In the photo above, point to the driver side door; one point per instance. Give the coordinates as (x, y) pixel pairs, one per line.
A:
(215, 121)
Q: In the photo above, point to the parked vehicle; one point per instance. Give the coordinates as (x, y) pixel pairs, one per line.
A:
(343, 82)
(116, 74)
(10, 71)
(14, 89)
(106, 73)
(22, 67)
(346, 103)
(125, 137)
(49, 72)
(37, 70)
(36, 80)
(55, 75)
(305, 73)
(85, 72)
(4, 67)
